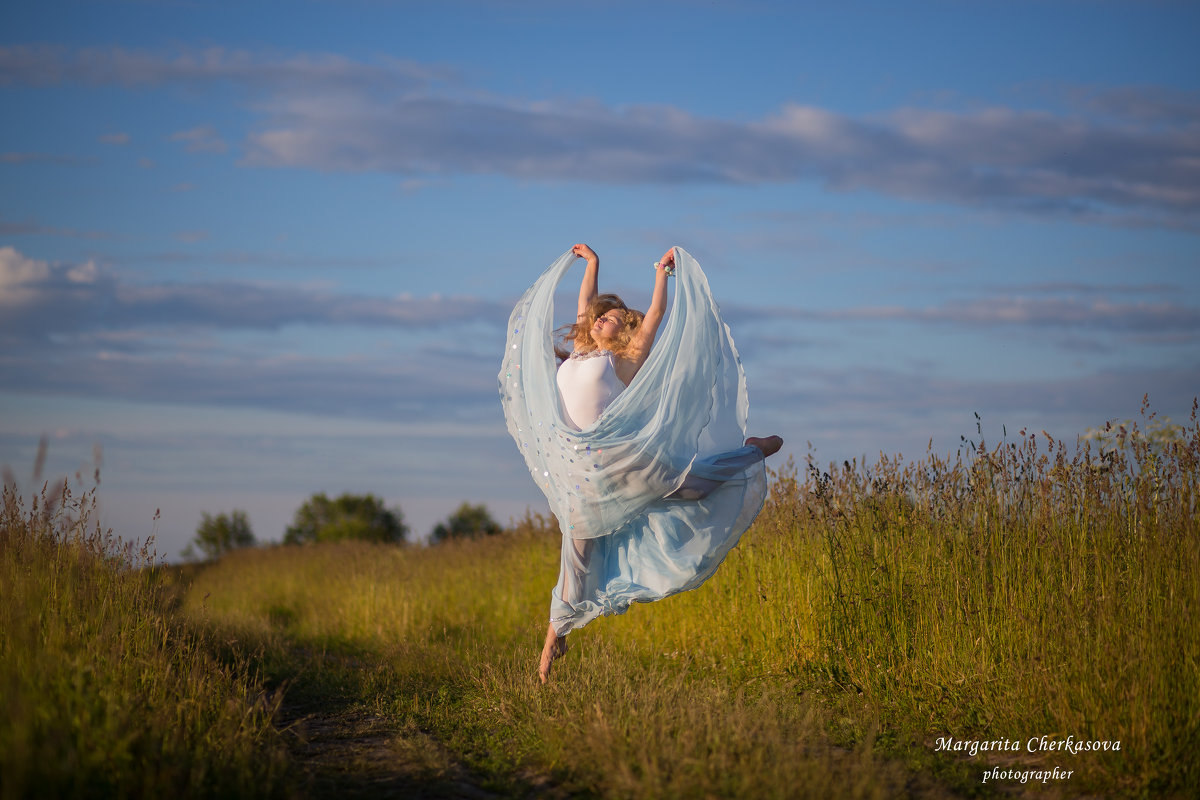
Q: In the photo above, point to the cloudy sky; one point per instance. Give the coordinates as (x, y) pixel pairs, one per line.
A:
(255, 250)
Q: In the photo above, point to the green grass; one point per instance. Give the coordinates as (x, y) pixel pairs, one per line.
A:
(1023, 592)
(1010, 592)
(106, 690)
(446, 639)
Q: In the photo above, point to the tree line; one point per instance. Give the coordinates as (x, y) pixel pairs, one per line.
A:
(360, 517)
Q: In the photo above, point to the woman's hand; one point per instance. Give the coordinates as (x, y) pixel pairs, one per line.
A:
(583, 251)
(668, 259)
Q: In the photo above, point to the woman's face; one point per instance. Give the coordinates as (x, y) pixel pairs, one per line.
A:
(608, 326)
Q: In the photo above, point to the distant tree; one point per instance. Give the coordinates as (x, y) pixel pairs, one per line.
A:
(217, 535)
(350, 516)
(468, 520)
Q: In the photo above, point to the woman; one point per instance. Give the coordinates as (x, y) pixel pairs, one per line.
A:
(618, 448)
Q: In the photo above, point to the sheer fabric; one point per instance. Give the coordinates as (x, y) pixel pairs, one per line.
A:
(653, 494)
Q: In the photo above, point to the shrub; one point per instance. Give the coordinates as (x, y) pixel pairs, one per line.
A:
(218, 535)
(349, 516)
(466, 521)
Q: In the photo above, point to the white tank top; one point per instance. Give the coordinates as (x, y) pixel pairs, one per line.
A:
(587, 383)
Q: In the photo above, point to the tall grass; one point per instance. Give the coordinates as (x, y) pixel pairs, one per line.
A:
(1022, 590)
(1008, 592)
(105, 691)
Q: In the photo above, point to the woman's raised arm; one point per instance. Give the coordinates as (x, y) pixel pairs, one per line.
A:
(589, 287)
(643, 339)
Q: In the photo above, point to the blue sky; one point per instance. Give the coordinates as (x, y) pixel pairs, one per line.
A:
(257, 250)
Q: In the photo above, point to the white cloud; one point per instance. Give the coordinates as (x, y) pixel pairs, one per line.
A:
(78, 330)
(18, 275)
(1069, 307)
(869, 392)
(27, 283)
(1054, 312)
(86, 272)
(48, 65)
(1125, 155)
(44, 158)
(413, 384)
(44, 299)
(31, 228)
(1028, 161)
(203, 139)
(1144, 104)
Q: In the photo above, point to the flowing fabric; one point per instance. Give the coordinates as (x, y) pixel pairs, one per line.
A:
(653, 495)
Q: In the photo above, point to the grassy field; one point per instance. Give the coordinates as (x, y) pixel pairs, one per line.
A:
(1015, 592)
(107, 690)
(875, 621)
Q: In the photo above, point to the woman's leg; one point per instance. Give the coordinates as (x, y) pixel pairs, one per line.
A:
(574, 573)
(554, 648)
(710, 473)
(769, 445)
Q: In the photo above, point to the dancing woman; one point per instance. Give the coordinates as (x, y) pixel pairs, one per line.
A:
(639, 447)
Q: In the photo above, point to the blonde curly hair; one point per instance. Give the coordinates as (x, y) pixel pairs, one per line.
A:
(579, 335)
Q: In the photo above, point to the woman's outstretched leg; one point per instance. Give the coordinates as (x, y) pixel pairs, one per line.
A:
(769, 445)
(710, 473)
(554, 648)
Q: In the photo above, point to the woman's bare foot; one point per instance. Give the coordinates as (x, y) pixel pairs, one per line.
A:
(769, 445)
(554, 649)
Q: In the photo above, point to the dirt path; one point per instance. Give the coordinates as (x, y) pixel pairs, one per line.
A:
(352, 754)
(349, 753)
